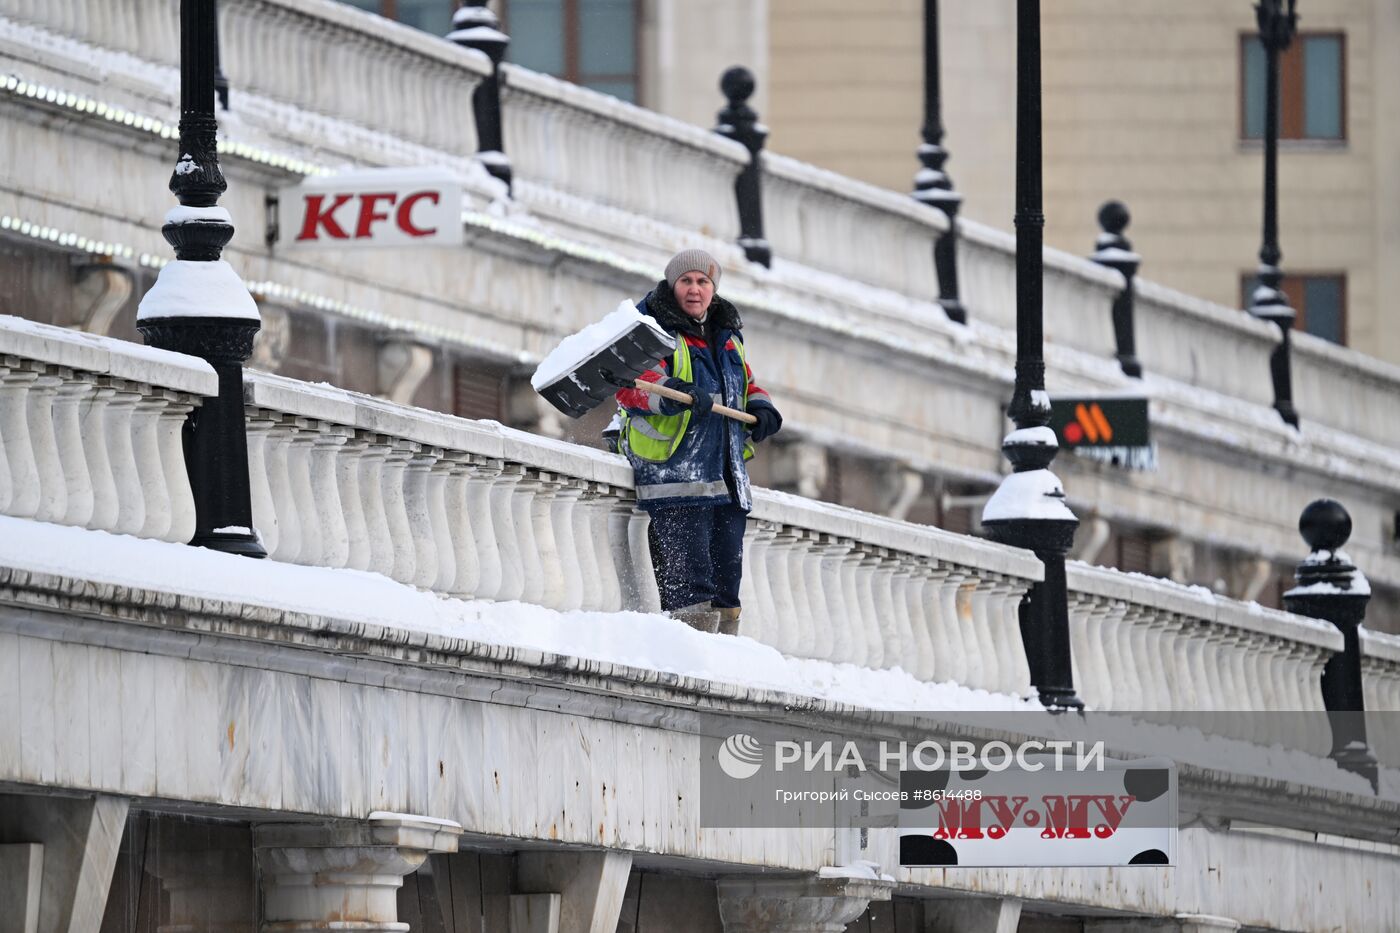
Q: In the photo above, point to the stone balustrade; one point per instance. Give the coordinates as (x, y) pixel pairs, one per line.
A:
(90, 431)
(477, 510)
(1380, 692)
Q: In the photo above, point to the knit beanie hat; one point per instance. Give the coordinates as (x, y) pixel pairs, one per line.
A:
(692, 260)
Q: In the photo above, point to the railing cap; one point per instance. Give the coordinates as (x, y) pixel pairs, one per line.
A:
(108, 356)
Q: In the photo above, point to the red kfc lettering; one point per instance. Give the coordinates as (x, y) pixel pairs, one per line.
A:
(404, 217)
(318, 217)
(368, 214)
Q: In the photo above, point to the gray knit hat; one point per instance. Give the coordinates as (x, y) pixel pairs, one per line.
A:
(692, 260)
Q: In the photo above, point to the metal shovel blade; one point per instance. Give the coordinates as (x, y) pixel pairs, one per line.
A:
(598, 377)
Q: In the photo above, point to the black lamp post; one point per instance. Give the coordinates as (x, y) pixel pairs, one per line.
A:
(474, 26)
(199, 306)
(739, 122)
(1332, 589)
(932, 185)
(1276, 30)
(1028, 509)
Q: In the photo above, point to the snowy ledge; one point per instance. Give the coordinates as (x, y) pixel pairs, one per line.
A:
(81, 572)
(135, 584)
(106, 356)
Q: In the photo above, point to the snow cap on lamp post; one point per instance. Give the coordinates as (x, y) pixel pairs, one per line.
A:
(200, 306)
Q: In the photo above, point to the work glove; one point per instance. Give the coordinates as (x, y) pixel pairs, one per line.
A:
(769, 421)
(700, 403)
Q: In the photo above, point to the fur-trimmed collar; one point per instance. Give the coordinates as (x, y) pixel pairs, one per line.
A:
(661, 304)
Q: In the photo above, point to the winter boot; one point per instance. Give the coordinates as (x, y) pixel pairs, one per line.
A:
(729, 621)
(698, 616)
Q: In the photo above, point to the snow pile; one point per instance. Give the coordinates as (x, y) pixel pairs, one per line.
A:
(635, 639)
(576, 349)
(1033, 494)
(187, 288)
(861, 869)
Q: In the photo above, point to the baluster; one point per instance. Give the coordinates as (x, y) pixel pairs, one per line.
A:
(145, 443)
(949, 650)
(170, 432)
(598, 503)
(1020, 669)
(378, 533)
(858, 649)
(619, 542)
(1095, 678)
(92, 414)
(488, 538)
(568, 583)
(640, 551)
(131, 505)
(19, 448)
(899, 580)
(508, 536)
(819, 621)
(979, 634)
(798, 555)
(869, 621)
(259, 485)
(422, 533)
(68, 434)
(279, 478)
(780, 586)
(53, 491)
(758, 616)
(539, 554)
(348, 468)
(1122, 688)
(466, 571)
(331, 511)
(583, 544)
(837, 643)
(299, 475)
(438, 472)
(1004, 616)
(921, 601)
(880, 573)
(393, 481)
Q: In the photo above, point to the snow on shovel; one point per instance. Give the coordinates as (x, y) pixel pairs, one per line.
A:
(587, 368)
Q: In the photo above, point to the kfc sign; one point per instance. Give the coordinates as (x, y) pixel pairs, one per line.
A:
(376, 207)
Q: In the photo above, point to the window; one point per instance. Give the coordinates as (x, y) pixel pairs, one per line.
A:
(434, 16)
(1320, 302)
(1312, 83)
(588, 42)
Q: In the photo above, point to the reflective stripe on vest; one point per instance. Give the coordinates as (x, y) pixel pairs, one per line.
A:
(673, 490)
(657, 437)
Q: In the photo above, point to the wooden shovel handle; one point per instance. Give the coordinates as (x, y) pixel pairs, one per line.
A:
(675, 395)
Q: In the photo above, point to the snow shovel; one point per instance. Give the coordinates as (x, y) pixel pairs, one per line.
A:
(587, 368)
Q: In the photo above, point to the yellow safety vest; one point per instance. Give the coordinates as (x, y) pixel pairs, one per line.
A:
(657, 437)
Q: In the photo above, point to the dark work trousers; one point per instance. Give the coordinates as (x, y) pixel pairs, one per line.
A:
(698, 554)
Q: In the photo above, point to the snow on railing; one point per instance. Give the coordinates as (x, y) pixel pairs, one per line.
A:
(90, 436)
(478, 510)
(90, 431)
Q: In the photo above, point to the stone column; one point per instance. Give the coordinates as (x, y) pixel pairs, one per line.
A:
(796, 905)
(343, 876)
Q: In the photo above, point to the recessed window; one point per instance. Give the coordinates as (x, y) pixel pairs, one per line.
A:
(1319, 301)
(1312, 87)
(434, 16)
(588, 42)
